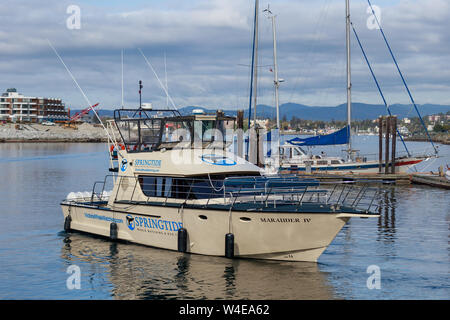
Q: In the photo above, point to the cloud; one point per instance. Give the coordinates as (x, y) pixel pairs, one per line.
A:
(208, 47)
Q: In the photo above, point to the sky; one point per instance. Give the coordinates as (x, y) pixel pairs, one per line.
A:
(202, 49)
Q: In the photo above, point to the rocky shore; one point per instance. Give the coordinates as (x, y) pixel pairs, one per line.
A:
(57, 133)
(443, 138)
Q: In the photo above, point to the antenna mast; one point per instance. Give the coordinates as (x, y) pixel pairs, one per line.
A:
(276, 81)
(140, 94)
(122, 75)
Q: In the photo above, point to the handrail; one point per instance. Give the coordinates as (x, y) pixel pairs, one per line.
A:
(197, 192)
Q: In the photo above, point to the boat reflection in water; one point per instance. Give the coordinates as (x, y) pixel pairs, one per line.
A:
(139, 272)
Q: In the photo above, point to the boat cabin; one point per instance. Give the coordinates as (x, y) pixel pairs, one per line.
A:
(145, 130)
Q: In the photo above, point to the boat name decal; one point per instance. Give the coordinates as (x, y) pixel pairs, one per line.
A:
(147, 165)
(144, 224)
(286, 220)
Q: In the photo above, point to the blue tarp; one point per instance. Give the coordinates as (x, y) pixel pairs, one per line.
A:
(339, 137)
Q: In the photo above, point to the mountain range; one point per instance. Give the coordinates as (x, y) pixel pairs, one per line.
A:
(360, 111)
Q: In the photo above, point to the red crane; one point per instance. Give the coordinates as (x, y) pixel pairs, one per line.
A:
(78, 115)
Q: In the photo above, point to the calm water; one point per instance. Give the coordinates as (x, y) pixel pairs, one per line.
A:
(409, 243)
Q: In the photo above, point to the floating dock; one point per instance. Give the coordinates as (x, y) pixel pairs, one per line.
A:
(432, 180)
(390, 178)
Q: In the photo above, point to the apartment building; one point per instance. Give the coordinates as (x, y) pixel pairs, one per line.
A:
(15, 107)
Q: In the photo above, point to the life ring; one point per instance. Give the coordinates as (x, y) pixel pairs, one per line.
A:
(113, 147)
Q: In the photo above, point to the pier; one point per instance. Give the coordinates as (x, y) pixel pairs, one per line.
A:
(391, 178)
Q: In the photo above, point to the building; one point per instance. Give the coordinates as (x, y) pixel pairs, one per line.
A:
(15, 107)
(406, 121)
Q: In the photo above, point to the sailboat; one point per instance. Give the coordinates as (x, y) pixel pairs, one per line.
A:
(292, 156)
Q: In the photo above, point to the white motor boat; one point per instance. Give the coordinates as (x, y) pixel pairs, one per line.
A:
(175, 187)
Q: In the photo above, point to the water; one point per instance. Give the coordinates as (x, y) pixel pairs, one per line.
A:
(409, 243)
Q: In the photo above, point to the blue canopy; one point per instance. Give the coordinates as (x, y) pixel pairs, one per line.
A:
(339, 137)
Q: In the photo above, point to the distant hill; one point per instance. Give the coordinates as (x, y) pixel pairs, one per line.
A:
(360, 111)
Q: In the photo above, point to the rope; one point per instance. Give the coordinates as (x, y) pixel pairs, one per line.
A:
(212, 186)
(378, 85)
(401, 75)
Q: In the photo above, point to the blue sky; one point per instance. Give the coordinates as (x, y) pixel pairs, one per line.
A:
(208, 45)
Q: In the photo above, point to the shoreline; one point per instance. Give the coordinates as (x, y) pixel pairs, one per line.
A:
(38, 133)
(53, 141)
(442, 140)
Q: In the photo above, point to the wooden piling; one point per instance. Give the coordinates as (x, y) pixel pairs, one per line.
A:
(394, 142)
(380, 144)
(387, 135)
(240, 133)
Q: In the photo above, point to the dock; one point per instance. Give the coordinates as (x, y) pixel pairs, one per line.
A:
(390, 178)
(433, 180)
(430, 179)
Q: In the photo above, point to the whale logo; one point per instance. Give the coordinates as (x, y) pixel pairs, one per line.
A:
(124, 165)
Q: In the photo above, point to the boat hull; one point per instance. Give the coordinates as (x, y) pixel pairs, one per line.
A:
(257, 235)
(401, 166)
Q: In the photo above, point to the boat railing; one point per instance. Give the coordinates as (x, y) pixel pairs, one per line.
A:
(97, 195)
(250, 193)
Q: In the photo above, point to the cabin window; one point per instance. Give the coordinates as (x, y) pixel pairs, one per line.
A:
(148, 186)
(322, 162)
(204, 130)
(335, 162)
(182, 188)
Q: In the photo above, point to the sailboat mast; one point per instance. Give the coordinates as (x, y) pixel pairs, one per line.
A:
(349, 79)
(252, 71)
(255, 73)
(275, 72)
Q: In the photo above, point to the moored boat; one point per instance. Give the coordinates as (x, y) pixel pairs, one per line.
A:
(176, 187)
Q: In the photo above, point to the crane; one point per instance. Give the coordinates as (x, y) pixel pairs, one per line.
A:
(77, 116)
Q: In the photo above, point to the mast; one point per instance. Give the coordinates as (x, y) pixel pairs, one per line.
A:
(349, 79)
(276, 81)
(255, 73)
(122, 75)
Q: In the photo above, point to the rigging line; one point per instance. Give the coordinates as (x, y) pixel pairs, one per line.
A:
(403, 79)
(166, 82)
(157, 78)
(81, 90)
(378, 85)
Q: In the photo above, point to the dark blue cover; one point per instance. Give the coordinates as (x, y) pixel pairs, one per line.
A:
(339, 137)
